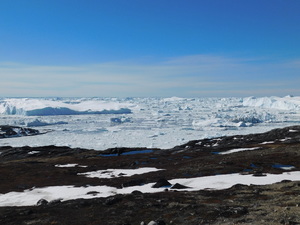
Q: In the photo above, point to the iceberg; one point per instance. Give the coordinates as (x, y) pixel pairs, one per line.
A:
(48, 107)
(284, 103)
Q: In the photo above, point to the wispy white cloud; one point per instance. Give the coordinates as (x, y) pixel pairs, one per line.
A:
(187, 76)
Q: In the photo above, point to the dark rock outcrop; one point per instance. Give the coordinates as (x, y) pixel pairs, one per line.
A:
(161, 183)
(179, 186)
(42, 202)
(14, 131)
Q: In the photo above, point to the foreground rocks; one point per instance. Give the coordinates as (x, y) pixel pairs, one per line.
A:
(25, 168)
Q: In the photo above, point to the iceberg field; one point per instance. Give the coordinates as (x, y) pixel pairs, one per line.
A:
(101, 123)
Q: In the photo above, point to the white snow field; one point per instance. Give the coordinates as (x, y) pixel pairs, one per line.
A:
(63, 193)
(101, 123)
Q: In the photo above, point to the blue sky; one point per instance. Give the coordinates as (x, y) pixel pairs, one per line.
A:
(149, 48)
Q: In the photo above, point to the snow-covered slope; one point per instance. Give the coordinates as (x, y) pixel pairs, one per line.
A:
(46, 107)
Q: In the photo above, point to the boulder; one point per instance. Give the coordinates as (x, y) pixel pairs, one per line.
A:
(179, 186)
(161, 183)
(42, 202)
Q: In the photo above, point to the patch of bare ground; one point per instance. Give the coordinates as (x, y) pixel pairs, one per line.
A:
(279, 203)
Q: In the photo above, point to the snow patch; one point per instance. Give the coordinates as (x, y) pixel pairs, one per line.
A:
(267, 142)
(293, 131)
(33, 152)
(30, 197)
(238, 150)
(283, 167)
(66, 165)
(113, 173)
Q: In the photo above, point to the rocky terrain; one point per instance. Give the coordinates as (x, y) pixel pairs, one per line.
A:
(15, 131)
(275, 152)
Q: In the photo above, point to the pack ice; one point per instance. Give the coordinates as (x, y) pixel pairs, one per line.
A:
(101, 123)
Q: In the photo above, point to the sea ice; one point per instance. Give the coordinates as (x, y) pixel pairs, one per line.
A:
(153, 122)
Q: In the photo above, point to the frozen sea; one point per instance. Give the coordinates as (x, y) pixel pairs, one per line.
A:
(101, 123)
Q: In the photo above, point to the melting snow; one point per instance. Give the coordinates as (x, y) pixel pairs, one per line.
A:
(66, 165)
(33, 152)
(283, 167)
(112, 173)
(238, 150)
(267, 142)
(285, 139)
(32, 196)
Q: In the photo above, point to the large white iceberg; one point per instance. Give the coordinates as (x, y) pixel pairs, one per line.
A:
(47, 107)
(284, 103)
